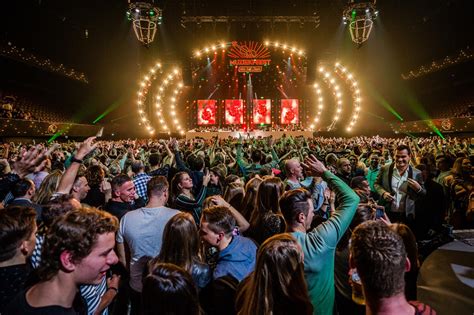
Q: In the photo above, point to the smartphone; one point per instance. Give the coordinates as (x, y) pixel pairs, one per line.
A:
(379, 212)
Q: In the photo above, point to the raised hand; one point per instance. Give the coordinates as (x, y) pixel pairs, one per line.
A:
(314, 166)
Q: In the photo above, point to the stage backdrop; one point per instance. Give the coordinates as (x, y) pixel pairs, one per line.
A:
(206, 114)
(289, 111)
(262, 110)
(234, 112)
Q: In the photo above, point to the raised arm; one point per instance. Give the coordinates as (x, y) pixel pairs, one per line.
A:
(67, 180)
(331, 231)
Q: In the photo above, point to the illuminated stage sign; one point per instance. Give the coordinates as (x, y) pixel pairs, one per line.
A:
(249, 56)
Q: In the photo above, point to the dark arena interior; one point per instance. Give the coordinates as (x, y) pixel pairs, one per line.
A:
(237, 157)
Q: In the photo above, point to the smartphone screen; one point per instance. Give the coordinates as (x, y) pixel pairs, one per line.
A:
(379, 212)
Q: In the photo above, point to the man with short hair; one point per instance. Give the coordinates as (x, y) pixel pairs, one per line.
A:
(140, 179)
(17, 242)
(142, 230)
(78, 249)
(319, 245)
(22, 191)
(294, 180)
(80, 188)
(124, 197)
(237, 254)
(379, 255)
(399, 185)
(344, 170)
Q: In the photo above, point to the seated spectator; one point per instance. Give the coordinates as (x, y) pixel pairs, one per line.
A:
(236, 255)
(277, 286)
(180, 247)
(17, 242)
(79, 249)
(169, 289)
(380, 257)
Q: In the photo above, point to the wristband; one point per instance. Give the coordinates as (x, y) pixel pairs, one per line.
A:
(113, 288)
(73, 159)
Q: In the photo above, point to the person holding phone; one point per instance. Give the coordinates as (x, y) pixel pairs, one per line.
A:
(399, 185)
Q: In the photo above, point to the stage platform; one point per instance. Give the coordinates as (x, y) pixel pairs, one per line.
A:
(252, 134)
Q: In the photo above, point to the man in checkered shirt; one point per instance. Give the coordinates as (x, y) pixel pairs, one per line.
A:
(140, 179)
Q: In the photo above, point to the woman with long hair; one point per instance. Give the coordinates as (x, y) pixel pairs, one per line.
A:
(216, 182)
(182, 197)
(267, 220)
(277, 286)
(169, 289)
(234, 194)
(250, 197)
(181, 247)
(48, 187)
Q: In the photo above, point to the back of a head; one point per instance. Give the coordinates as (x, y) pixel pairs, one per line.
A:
(379, 255)
(268, 194)
(75, 232)
(16, 225)
(94, 175)
(21, 187)
(234, 194)
(56, 208)
(219, 219)
(154, 159)
(137, 166)
(169, 289)
(180, 241)
(294, 202)
(157, 186)
(278, 280)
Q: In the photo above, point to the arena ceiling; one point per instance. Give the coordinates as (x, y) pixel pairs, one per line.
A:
(94, 37)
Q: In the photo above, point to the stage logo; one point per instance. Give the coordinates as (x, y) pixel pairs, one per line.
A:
(249, 56)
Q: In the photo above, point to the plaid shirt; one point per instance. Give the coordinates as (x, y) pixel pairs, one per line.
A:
(140, 180)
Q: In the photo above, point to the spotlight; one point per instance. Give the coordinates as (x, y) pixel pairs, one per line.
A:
(145, 17)
(360, 16)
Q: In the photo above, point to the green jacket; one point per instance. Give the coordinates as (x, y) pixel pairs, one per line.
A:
(319, 247)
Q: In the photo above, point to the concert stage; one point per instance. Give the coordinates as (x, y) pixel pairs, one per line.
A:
(252, 134)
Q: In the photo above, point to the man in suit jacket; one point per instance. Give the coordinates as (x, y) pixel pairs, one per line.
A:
(22, 192)
(399, 185)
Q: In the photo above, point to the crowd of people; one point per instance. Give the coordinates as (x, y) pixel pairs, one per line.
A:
(231, 226)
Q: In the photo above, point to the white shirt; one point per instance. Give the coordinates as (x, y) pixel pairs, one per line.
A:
(398, 204)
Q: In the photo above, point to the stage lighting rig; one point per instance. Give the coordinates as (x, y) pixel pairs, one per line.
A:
(145, 17)
(360, 15)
